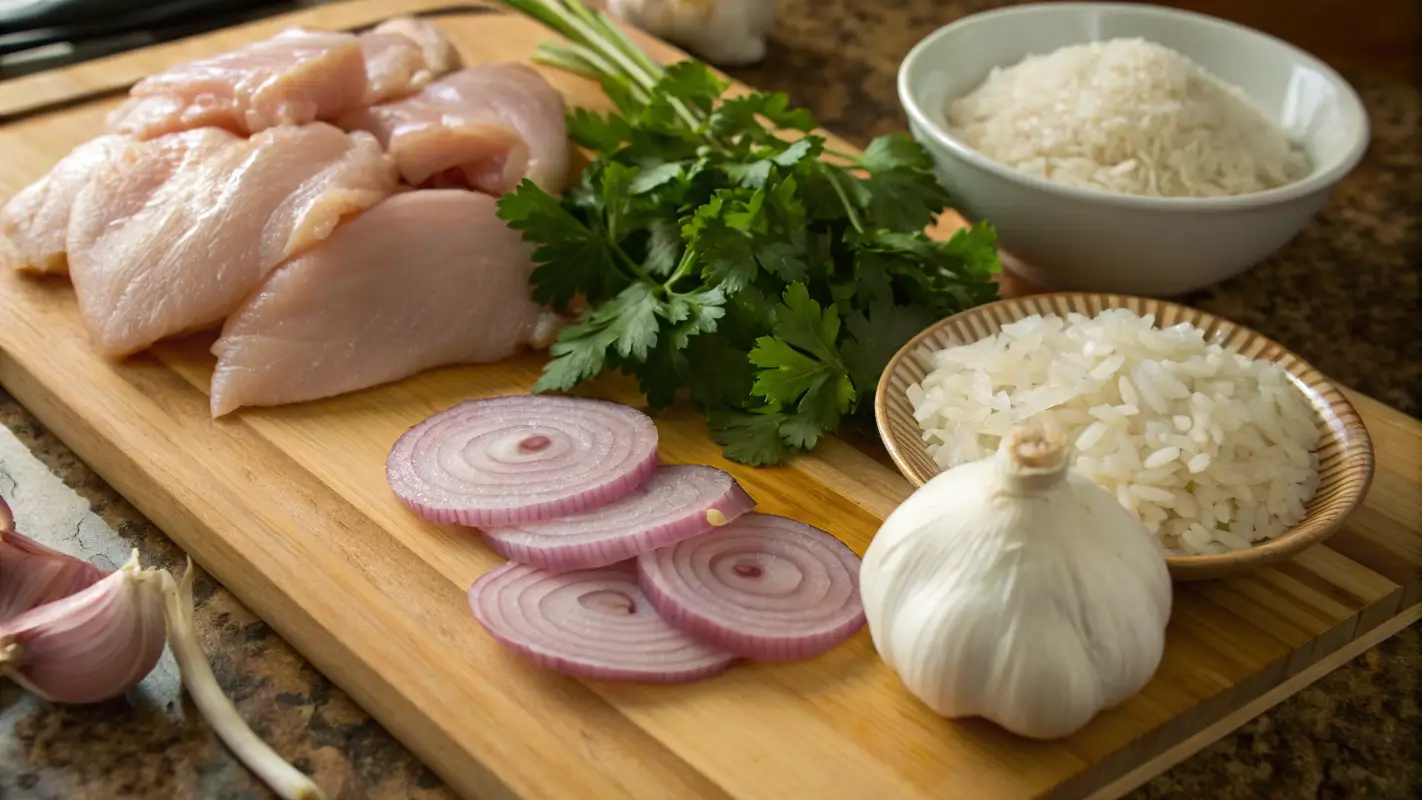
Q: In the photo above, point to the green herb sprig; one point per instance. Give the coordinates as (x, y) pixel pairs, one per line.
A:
(723, 251)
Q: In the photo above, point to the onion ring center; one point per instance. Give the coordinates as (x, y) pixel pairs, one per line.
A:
(757, 573)
(522, 446)
(534, 443)
(608, 601)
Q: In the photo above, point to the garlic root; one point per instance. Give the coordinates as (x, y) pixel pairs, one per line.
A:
(1035, 447)
(284, 779)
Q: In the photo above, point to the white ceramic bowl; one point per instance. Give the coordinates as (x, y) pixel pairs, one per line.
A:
(1080, 239)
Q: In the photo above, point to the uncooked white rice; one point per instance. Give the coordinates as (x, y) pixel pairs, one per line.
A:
(1211, 450)
(1126, 116)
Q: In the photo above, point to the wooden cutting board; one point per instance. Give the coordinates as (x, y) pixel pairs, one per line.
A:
(289, 508)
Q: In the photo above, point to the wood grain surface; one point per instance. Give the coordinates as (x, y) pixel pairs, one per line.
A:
(289, 508)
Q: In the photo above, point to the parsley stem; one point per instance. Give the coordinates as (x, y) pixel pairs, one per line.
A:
(586, 62)
(833, 177)
(635, 268)
(688, 258)
(626, 62)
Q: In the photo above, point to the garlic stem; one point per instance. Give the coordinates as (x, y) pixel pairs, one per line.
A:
(284, 779)
(1036, 459)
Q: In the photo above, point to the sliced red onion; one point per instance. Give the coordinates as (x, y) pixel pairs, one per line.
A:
(592, 623)
(762, 587)
(510, 460)
(676, 503)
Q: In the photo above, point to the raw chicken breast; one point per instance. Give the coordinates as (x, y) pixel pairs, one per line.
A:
(296, 77)
(36, 220)
(425, 279)
(172, 233)
(439, 53)
(487, 128)
(402, 56)
(394, 67)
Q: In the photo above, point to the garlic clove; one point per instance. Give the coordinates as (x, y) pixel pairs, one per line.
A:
(92, 645)
(32, 575)
(7, 517)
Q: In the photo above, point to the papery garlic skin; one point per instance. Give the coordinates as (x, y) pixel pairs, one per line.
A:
(724, 32)
(1015, 590)
(90, 646)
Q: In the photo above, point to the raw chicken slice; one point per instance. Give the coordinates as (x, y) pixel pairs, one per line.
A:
(296, 77)
(172, 233)
(439, 53)
(426, 279)
(487, 128)
(402, 56)
(36, 220)
(394, 67)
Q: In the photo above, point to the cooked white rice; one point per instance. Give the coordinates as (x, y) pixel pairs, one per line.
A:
(1211, 450)
(1127, 116)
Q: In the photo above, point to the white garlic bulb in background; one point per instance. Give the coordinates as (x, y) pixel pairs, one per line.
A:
(1015, 590)
(723, 32)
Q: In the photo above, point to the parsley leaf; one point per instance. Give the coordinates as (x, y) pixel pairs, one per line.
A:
(801, 323)
(877, 335)
(895, 151)
(727, 259)
(572, 258)
(721, 258)
(750, 438)
(601, 132)
(903, 201)
(737, 115)
(663, 245)
(801, 368)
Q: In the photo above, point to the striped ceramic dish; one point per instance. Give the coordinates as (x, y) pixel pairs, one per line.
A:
(1345, 454)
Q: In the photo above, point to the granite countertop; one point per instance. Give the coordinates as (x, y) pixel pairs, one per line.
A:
(1344, 295)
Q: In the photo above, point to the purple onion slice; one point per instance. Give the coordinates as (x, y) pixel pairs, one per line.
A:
(510, 460)
(762, 587)
(592, 623)
(677, 503)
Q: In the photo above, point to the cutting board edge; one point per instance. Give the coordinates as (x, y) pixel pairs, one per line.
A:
(1235, 719)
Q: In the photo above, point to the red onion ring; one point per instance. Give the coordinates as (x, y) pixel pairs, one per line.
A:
(592, 623)
(510, 460)
(762, 587)
(676, 503)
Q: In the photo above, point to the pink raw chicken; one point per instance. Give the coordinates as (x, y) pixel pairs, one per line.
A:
(296, 77)
(425, 279)
(402, 56)
(439, 53)
(172, 233)
(36, 220)
(486, 128)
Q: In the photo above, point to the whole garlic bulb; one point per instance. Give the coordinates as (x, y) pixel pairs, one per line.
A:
(725, 32)
(1016, 590)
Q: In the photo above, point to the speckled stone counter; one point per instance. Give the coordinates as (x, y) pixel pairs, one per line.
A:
(1345, 295)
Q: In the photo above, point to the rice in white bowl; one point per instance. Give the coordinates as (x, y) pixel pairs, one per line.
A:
(1211, 450)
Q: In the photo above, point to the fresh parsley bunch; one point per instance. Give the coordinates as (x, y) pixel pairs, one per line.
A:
(721, 250)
